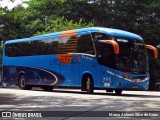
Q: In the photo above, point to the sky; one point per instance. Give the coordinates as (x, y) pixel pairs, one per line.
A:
(10, 5)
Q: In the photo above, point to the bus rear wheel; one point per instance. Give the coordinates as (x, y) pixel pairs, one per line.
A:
(22, 83)
(118, 91)
(89, 84)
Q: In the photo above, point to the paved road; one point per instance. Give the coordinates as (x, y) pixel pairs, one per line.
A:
(13, 99)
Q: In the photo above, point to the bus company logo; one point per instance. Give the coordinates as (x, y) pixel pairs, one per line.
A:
(21, 114)
(65, 58)
(6, 114)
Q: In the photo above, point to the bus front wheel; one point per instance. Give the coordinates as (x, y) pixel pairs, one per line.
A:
(118, 91)
(22, 83)
(89, 84)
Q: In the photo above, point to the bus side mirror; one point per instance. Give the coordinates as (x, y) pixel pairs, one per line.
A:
(113, 43)
(155, 51)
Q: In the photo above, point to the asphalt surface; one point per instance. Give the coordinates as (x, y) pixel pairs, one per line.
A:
(81, 106)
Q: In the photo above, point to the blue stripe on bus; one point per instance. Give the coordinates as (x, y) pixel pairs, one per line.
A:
(36, 76)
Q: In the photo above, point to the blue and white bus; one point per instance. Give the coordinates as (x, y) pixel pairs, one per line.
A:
(87, 58)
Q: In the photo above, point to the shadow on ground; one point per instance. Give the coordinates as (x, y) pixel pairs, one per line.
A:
(110, 94)
(6, 98)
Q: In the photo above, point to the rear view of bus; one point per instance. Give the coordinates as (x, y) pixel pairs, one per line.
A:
(87, 58)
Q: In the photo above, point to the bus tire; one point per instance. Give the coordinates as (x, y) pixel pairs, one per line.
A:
(89, 84)
(22, 83)
(118, 91)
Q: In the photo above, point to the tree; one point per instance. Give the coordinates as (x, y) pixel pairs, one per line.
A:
(61, 24)
(38, 17)
(8, 25)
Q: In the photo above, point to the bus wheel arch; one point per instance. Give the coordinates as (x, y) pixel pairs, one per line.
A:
(87, 83)
(22, 82)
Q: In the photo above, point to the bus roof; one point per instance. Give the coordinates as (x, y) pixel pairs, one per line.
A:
(108, 31)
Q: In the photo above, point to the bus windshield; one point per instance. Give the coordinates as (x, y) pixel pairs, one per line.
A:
(132, 57)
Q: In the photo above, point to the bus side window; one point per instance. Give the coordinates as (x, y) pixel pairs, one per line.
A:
(85, 45)
(68, 44)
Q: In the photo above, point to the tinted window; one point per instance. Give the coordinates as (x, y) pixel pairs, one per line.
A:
(17, 49)
(38, 47)
(85, 45)
(68, 44)
(43, 47)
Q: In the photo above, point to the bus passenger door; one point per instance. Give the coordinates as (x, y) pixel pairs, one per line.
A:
(106, 58)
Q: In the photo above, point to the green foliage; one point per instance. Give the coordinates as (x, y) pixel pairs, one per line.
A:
(1, 48)
(8, 25)
(61, 24)
(154, 67)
